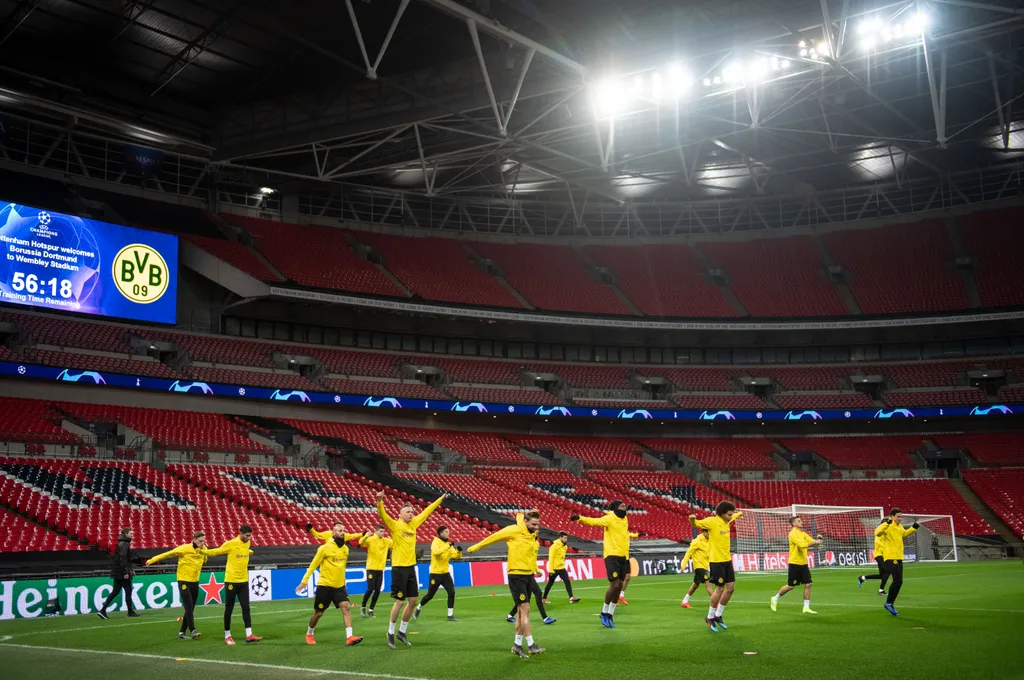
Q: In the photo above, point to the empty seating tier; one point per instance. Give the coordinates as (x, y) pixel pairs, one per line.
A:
(1003, 493)
(720, 454)
(598, 452)
(32, 420)
(236, 254)
(854, 453)
(996, 449)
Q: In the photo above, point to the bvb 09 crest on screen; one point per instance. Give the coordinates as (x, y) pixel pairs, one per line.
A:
(140, 273)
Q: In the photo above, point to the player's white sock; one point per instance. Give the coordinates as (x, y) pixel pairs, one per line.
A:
(391, 628)
(711, 612)
(529, 640)
(248, 632)
(309, 631)
(519, 640)
(404, 627)
(227, 634)
(623, 591)
(451, 611)
(776, 597)
(721, 608)
(604, 608)
(807, 604)
(348, 632)
(687, 598)
(611, 609)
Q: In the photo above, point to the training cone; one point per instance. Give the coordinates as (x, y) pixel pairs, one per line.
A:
(180, 619)
(492, 595)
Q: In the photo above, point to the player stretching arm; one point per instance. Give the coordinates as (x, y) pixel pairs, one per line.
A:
(556, 567)
(720, 560)
(616, 554)
(236, 579)
(331, 559)
(191, 558)
(799, 571)
(698, 550)
(377, 546)
(441, 553)
(893, 533)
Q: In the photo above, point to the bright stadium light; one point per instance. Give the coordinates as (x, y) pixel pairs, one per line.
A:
(638, 86)
(731, 74)
(608, 98)
(657, 88)
(678, 81)
(266, 191)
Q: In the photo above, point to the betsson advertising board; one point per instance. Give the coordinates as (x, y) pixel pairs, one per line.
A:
(73, 264)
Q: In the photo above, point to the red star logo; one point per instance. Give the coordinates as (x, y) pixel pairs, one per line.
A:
(212, 590)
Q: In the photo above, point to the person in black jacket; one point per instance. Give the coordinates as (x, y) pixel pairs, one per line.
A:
(122, 570)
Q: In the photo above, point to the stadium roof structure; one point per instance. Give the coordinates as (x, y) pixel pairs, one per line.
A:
(571, 117)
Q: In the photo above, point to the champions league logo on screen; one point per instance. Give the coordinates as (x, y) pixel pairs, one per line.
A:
(553, 411)
(715, 415)
(383, 402)
(295, 395)
(998, 410)
(91, 377)
(640, 413)
(894, 413)
(178, 386)
(803, 415)
(473, 407)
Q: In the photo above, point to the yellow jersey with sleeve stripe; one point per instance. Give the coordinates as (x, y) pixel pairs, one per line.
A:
(556, 556)
(799, 542)
(522, 547)
(322, 536)
(698, 552)
(441, 553)
(403, 534)
(893, 534)
(880, 547)
(331, 559)
(616, 533)
(190, 561)
(719, 538)
(237, 569)
(376, 551)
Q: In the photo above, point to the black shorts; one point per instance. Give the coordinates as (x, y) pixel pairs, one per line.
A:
(700, 576)
(722, 573)
(441, 581)
(404, 582)
(519, 586)
(799, 575)
(617, 567)
(374, 579)
(326, 596)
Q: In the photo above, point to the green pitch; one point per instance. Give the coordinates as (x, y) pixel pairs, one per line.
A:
(956, 621)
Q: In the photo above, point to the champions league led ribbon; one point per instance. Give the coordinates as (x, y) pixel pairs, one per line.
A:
(65, 263)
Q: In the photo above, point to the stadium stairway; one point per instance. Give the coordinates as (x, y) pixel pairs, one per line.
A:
(844, 290)
(730, 296)
(972, 499)
(595, 268)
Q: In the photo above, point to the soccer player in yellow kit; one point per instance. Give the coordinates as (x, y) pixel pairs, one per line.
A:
(236, 580)
(377, 546)
(719, 560)
(442, 551)
(331, 559)
(698, 551)
(880, 561)
(404, 584)
(521, 538)
(893, 533)
(556, 567)
(191, 558)
(616, 554)
(799, 571)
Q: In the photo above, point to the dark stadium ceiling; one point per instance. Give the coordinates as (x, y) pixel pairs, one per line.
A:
(496, 107)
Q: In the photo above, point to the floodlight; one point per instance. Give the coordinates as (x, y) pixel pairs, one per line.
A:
(678, 80)
(916, 24)
(266, 191)
(784, 64)
(803, 52)
(638, 85)
(707, 82)
(717, 80)
(657, 91)
(731, 74)
(775, 63)
(868, 44)
(608, 98)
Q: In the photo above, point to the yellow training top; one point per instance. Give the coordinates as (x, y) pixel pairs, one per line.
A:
(522, 547)
(556, 556)
(799, 542)
(616, 533)
(441, 552)
(376, 551)
(718, 536)
(880, 547)
(331, 559)
(190, 561)
(698, 550)
(403, 534)
(237, 569)
(893, 535)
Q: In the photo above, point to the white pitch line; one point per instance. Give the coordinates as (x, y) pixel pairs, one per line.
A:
(225, 662)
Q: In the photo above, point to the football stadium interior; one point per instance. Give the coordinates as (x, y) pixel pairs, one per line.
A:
(264, 261)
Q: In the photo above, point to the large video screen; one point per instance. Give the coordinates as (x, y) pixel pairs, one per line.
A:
(66, 263)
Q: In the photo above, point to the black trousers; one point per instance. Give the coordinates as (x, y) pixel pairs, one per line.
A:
(894, 568)
(882, 573)
(440, 581)
(240, 592)
(121, 584)
(374, 581)
(558, 574)
(189, 596)
(537, 595)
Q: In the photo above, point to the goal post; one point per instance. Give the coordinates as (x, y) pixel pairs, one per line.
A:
(934, 540)
(762, 536)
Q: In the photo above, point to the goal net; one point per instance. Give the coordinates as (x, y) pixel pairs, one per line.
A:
(761, 541)
(762, 536)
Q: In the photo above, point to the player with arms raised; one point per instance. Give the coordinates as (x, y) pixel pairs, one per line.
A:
(556, 567)
(799, 571)
(441, 553)
(236, 579)
(616, 554)
(404, 583)
(719, 560)
(698, 551)
(331, 559)
(893, 533)
(521, 539)
(377, 546)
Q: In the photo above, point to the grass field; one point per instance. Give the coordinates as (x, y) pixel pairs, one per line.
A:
(961, 620)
